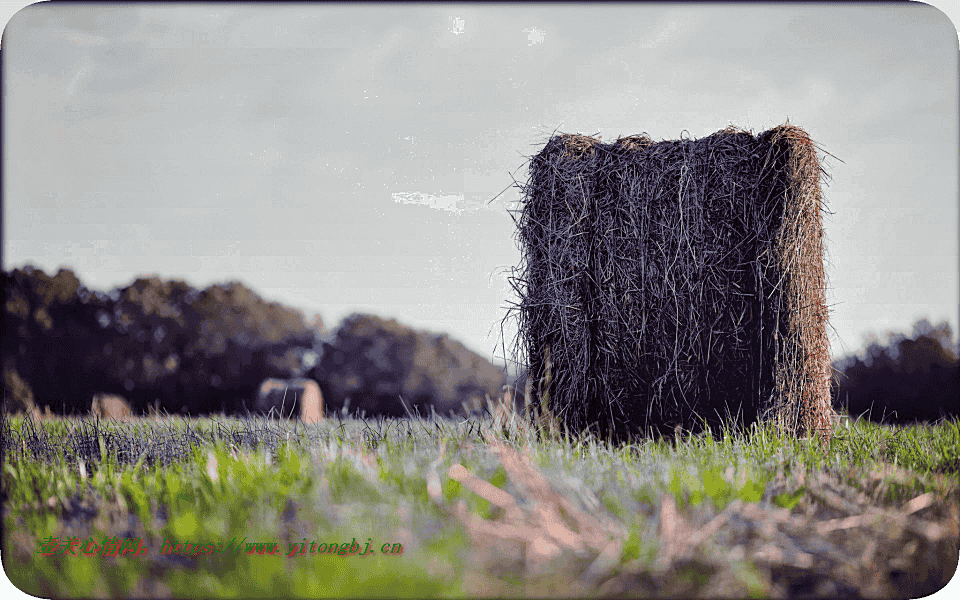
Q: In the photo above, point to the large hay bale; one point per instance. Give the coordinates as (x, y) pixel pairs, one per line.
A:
(288, 397)
(664, 283)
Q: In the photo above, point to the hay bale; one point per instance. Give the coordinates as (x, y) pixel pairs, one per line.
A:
(17, 395)
(664, 283)
(111, 406)
(285, 397)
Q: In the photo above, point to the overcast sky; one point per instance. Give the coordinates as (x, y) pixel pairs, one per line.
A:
(341, 158)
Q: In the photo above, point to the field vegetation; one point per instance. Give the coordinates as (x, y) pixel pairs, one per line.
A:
(492, 506)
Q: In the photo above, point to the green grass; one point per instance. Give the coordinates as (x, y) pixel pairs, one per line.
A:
(223, 481)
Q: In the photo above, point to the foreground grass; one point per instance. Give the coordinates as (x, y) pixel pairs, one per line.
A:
(479, 507)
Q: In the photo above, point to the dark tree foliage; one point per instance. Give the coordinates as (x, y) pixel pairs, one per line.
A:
(373, 362)
(159, 343)
(909, 379)
(47, 325)
(242, 340)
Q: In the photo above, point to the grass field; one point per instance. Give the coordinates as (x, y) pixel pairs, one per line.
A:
(479, 507)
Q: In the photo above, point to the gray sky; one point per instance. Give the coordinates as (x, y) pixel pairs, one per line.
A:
(339, 158)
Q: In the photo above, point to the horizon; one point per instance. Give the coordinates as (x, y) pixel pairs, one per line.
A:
(330, 328)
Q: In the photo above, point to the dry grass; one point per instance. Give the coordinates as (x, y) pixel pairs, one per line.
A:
(842, 536)
(542, 513)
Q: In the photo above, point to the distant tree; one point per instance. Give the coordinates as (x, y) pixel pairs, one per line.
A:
(908, 379)
(157, 342)
(372, 363)
(145, 332)
(244, 339)
(46, 328)
(193, 351)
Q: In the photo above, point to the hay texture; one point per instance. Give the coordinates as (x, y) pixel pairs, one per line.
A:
(675, 283)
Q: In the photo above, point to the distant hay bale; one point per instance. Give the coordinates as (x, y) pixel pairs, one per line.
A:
(111, 406)
(289, 397)
(17, 395)
(665, 283)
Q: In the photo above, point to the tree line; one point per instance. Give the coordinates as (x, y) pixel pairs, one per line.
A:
(167, 346)
(910, 378)
(158, 343)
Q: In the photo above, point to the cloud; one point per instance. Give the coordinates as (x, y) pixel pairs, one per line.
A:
(121, 66)
(387, 48)
(666, 32)
(83, 40)
(104, 20)
(448, 202)
(455, 203)
(83, 48)
(535, 35)
(455, 29)
(85, 68)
